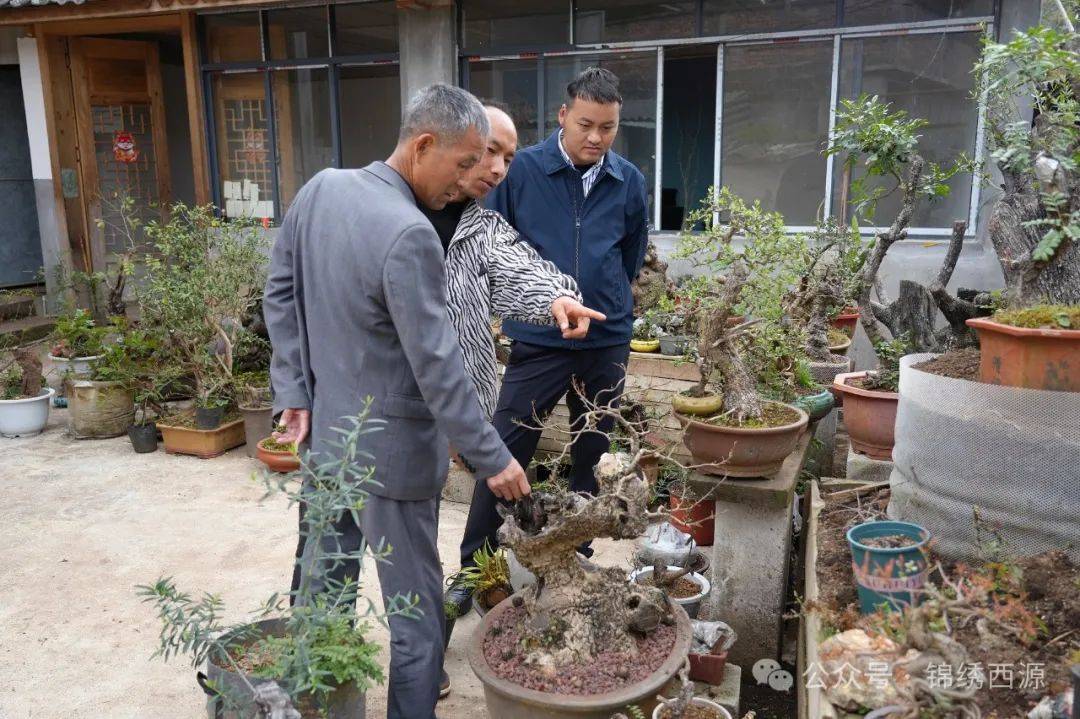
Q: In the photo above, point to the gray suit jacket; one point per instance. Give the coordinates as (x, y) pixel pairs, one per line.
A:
(356, 307)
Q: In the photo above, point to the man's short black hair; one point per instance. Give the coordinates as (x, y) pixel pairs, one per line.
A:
(594, 84)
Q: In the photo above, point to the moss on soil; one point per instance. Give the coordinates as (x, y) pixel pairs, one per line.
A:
(837, 338)
(1050, 317)
(186, 419)
(773, 415)
(271, 446)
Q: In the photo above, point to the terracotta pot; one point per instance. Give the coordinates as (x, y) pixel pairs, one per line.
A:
(846, 321)
(706, 406)
(644, 345)
(708, 668)
(741, 451)
(200, 442)
(718, 711)
(506, 699)
(1032, 358)
(276, 460)
(695, 517)
(869, 415)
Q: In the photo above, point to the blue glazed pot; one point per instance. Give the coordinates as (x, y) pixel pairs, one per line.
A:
(890, 576)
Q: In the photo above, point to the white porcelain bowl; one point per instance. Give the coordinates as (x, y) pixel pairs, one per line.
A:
(25, 417)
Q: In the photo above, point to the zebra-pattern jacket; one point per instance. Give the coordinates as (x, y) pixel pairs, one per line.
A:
(491, 271)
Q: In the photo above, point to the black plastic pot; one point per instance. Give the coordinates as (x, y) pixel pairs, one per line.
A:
(143, 437)
(209, 417)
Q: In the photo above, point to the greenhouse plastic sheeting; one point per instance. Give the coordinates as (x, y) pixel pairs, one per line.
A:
(980, 464)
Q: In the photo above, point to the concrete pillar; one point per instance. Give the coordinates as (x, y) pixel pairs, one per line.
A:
(427, 47)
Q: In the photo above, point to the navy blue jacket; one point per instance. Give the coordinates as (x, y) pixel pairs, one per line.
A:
(599, 240)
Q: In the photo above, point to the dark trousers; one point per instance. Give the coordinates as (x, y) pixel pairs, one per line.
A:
(536, 379)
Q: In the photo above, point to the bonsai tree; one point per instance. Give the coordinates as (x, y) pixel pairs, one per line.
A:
(745, 357)
(78, 335)
(202, 282)
(324, 644)
(134, 360)
(652, 283)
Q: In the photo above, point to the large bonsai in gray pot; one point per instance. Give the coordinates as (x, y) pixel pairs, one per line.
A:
(308, 657)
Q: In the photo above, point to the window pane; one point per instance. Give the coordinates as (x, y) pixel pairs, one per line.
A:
(302, 126)
(689, 132)
(365, 29)
(488, 24)
(617, 21)
(725, 17)
(775, 125)
(233, 37)
(242, 136)
(636, 140)
(928, 76)
(298, 33)
(514, 83)
(868, 12)
(367, 136)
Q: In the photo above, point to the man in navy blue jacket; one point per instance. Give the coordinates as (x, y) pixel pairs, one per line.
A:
(584, 208)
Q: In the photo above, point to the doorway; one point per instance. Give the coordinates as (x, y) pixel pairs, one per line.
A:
(20, 243)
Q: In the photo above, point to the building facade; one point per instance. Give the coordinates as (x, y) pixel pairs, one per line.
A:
(238, 103)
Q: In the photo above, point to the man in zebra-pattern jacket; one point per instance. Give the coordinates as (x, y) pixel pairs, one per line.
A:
(491, 272)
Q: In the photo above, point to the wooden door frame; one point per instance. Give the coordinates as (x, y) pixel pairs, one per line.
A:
(83, 48)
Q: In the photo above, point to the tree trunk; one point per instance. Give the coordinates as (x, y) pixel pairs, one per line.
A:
(577, 609)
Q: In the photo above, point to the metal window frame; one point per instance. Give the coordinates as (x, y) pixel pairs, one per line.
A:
(836, 35)
(332, 64)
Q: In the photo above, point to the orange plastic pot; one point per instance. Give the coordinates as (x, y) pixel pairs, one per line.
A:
(846, 321)
(695, 517)
(869, 415)
(1025, 357)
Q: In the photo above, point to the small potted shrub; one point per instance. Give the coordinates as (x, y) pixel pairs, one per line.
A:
(645, 337)
(682, 585)
(870, 402)
(309, 657)
(143, 431)
(24, 400)
(278, 456)
(79, 341)
(488, 578)
(103, 405)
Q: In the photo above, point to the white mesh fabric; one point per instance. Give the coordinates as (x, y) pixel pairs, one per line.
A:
(1008, 455)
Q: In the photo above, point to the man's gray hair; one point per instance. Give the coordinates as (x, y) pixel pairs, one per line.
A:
(445, 111)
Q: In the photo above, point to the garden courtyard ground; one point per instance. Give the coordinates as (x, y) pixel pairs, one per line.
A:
(83, 522)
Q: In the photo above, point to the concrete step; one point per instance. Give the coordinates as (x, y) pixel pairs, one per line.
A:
(25, 330)
(18, 306)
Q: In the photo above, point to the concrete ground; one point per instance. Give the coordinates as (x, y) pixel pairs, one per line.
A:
(84, 521)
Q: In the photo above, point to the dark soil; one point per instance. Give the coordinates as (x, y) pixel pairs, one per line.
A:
(1052, 585)
(889, 541)
(836, 583)
(766, 702)
(694, 711)
(956, 364)
(607, 672)
(773, 415)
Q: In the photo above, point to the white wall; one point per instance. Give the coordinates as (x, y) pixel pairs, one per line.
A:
(34, 106)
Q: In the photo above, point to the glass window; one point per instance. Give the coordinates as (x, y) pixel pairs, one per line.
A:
(928, 76)
(869, 12)
(365, 28)
(775, 126)
(488, 24)
(512, 82)
(367, 136)
(298, 33)
(689, 132)
(233, 37)
(597, 21)
(636, 140)
(302, 127)
(242, 135)
(727, 17)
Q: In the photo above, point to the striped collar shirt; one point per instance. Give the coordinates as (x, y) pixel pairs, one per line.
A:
(590, 176)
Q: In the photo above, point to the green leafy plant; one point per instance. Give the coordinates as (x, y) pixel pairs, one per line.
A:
(134, 360)
(645, 327)
(323, 643)
(489, 571)
(887, 377)
(78, 335)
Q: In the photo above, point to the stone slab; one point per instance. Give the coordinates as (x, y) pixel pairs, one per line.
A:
(727, 692)
(459, 486)
(861, 468)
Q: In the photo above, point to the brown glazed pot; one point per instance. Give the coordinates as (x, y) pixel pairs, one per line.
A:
(741, 451)
(202, 443)
(1025, 357)
(869, 415)
(276, 461)
(506, 699)
(846, 321)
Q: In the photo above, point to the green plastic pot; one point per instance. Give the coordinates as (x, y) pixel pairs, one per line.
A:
(817, 405)
(887, 575)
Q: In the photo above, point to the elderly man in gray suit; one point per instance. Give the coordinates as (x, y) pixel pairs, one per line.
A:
(356, 307)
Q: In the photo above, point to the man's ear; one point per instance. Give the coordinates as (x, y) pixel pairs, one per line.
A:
(562, 115)
(423, 144)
